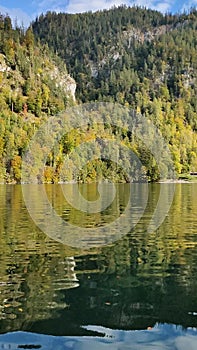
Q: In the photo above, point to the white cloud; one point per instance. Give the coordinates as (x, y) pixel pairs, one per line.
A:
(155, 4)
(76, 6)
(17, 14)
(163, 7)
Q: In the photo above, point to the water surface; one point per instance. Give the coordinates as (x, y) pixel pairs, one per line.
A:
(139, 292)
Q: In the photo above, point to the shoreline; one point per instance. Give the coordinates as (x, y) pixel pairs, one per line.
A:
(167, 181)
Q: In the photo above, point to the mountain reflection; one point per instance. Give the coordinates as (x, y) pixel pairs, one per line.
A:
(135, 283)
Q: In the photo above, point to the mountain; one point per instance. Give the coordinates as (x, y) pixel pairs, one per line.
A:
(111, 52)
(139, 58)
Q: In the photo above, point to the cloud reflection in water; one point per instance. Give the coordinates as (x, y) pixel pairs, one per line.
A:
(161, 337)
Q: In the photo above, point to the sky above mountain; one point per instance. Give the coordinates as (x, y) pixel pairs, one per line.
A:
(25, 11)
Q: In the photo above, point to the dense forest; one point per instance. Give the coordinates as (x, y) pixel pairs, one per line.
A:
(138, 58)
(34, 83)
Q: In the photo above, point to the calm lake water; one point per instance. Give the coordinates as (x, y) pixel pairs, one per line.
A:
(139, 292)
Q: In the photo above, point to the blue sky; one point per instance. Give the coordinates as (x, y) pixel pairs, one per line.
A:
(26, 10)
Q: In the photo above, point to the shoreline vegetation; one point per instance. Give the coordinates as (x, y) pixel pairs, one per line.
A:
(138, 58)
(187, 178)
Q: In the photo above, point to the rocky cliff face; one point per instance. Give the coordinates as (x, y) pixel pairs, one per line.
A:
(63, 81)
(3, 66)
(37, 84)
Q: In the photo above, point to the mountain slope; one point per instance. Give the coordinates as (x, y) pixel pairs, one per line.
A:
(100, 47)
(139, 58)
(34, 83)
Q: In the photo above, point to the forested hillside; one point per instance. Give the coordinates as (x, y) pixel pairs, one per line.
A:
(34, 83)
(138, 58)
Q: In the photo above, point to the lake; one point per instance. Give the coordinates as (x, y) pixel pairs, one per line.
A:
(131, 290)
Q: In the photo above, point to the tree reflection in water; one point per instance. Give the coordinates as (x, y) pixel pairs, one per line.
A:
(133, 284)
